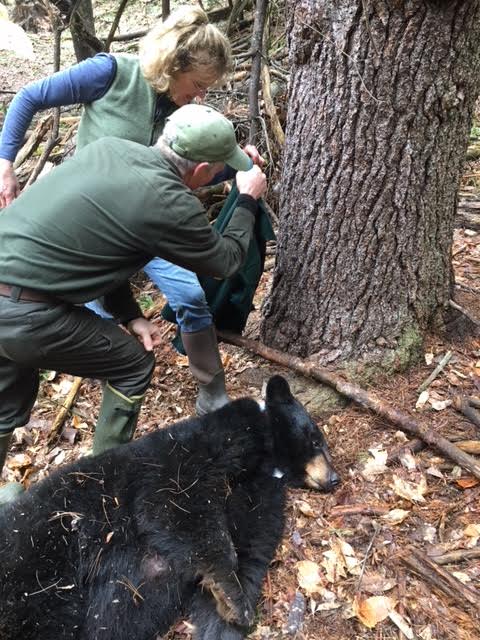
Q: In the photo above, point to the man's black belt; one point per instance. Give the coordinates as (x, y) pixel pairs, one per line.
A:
(22, 293)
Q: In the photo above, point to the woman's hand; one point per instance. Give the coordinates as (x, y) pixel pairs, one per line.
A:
(147, 332)
(9, 188)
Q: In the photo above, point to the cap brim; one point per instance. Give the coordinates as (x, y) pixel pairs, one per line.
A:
(239, 160)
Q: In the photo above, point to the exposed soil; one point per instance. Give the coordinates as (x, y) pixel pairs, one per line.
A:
(353, 539)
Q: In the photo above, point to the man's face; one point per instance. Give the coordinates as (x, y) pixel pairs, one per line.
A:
(203, 174)
(185, 86)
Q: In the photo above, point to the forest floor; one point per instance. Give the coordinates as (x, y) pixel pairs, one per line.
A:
(345, 561)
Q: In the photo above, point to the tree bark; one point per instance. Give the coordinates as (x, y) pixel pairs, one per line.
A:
(82, 28)
(380, 105)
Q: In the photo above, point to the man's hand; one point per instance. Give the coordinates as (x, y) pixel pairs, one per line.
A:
(147, 332)
(9, 188)
(252, 152)
(252, 183)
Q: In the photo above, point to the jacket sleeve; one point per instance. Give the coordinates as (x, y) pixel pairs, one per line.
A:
(194, 244)
(80, 84)
(121, 304)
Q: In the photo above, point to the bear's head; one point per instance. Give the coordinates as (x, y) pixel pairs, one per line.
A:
(300, 449)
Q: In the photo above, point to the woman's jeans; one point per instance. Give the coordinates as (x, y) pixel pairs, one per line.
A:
(183, 292)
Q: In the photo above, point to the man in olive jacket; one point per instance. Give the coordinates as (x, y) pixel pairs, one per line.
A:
(80, 232)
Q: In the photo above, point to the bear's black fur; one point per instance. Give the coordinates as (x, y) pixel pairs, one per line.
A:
(181, 522)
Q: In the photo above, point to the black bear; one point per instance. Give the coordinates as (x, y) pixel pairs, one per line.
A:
(184, 521)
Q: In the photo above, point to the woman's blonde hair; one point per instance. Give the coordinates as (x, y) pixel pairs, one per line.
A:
(185, 41)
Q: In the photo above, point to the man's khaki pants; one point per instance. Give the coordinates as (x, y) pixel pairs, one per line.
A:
(64, 338)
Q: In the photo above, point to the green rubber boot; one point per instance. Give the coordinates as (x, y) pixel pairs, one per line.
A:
(206, 365)
(11, 490)
(117, 420)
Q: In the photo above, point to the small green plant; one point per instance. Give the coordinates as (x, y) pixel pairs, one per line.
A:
(145, 301)
(475, 132)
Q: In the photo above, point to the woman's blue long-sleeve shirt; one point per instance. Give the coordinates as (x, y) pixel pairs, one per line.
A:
(82, 83)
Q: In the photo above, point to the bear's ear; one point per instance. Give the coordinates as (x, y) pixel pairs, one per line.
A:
(278, 390)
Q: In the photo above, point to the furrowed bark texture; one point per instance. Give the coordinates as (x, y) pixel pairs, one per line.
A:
(380, 105)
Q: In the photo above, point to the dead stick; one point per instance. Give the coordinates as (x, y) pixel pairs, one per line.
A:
(64, 409)
(52, 141)
(438, 369)
(33, 141)
(359, 395)
(114, 27)
(474, 402)
(357, 509)
(441, 579)
(463, 406)
(465, 313)
(254, 86)
(456, 556)
(270, 107)
(413, 446)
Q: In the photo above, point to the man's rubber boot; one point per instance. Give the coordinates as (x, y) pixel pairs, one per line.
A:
(11, 490)
(117, 420)
(206, 366)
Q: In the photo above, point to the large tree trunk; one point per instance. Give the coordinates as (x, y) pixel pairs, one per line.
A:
(380, 105)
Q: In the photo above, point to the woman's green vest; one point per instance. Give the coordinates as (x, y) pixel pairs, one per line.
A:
(126, 111)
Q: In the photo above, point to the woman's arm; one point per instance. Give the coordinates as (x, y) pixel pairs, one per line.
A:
(82, 83)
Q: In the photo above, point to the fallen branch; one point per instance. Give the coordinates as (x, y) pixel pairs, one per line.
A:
(464, 312)
(456, 556)
(64, 410)
(463, 405)
(440, 579)
(358, 509)
(413, 446)
(436, 372)
(360, 396)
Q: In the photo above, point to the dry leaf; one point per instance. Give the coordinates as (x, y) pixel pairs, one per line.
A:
(60, 458)
(433, 471)
(422, 399)
(309, 578)
(472, 530)
(467, 482)
(440, 405)
(373, 610)
(407, 459)
(428, 358)
(19, 461)
(334, 565)
(63, 387)
(409, 490)
(401, 623)
(463, 577)
(181, 361)
(374, 583)
(376, 465)
(395, 516)
(306, 509)
(351, 561)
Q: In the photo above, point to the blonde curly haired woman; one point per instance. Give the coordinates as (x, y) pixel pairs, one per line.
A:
(130, 97)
